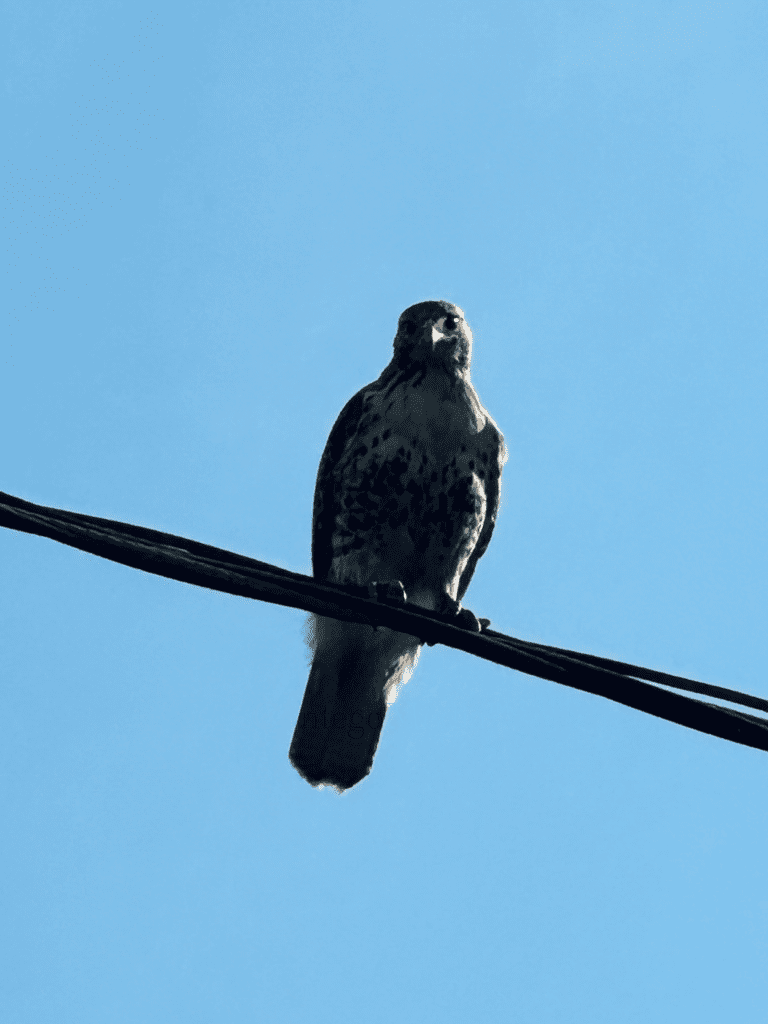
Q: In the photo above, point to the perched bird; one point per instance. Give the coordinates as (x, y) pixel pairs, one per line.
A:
(405, 503)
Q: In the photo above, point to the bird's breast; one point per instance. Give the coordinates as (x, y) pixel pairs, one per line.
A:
(434, 416)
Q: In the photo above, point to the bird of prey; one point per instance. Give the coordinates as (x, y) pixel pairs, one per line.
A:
(405, 503)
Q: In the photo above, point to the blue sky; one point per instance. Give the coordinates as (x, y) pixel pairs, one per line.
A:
(213, 215)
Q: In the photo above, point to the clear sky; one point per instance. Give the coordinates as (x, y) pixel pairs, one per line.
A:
(213, 215)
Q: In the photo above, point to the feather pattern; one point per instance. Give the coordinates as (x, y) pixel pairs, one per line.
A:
(407, 490)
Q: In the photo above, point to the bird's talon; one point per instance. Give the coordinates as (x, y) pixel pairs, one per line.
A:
(451, 609)
(468, 620)
(448, 606)
(388, 590)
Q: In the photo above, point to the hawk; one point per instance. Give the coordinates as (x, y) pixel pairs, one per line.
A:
(405, 503)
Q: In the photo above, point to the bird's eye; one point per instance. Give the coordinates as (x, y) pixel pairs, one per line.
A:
(451, 323)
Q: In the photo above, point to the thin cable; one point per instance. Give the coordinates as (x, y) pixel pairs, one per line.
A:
(203, 565)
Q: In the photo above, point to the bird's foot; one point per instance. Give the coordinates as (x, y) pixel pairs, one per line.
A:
(389, 591)
(461, 617)
(392, 591)
(450, 609)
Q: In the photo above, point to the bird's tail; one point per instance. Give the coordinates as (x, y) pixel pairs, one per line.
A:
(356, 672)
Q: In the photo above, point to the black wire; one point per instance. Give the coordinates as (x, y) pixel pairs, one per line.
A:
(203, 565)
(653, 675)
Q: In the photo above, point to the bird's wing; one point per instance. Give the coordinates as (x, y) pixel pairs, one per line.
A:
(325, 504)
(498, 455)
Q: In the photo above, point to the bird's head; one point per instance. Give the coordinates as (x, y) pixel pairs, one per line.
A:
(434, 333)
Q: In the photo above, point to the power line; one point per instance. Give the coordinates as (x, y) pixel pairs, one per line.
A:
(202, 565)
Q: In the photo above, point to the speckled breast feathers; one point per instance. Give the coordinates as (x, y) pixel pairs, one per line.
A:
(408, 486)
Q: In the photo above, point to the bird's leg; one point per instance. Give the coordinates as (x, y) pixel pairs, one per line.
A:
(391, 591)
(462, 617)
(388, 590)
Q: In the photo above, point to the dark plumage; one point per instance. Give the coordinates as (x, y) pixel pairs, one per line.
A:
(407, 490)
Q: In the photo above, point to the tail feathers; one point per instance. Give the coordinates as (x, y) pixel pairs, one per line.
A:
(338, 729)
(355, 673)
